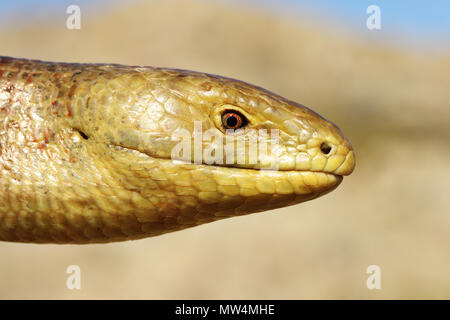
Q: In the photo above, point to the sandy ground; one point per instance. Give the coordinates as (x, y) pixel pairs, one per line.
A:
(393, 211)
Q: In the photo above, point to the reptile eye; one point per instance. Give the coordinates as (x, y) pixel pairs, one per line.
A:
(233, 120)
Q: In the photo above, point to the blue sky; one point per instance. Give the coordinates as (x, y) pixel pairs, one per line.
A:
(413, 19)
(419, 23)
(410, 21)
(415, 15)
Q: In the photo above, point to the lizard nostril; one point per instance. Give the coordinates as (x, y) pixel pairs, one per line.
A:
(325, 148)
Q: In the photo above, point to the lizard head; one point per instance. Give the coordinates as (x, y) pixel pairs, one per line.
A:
(100, 153)
(204, 147)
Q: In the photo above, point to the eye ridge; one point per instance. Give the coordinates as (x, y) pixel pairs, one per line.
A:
(232, 119)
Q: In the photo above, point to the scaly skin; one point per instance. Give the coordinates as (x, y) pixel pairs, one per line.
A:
(85, 152)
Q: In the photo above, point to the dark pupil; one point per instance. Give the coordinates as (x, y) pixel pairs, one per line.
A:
(232, 121)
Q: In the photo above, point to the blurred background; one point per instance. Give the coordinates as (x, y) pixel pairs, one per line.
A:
(388, 90)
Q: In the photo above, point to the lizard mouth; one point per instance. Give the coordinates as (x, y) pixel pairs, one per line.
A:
(262, 190)
(236, 180)
(261, 181)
